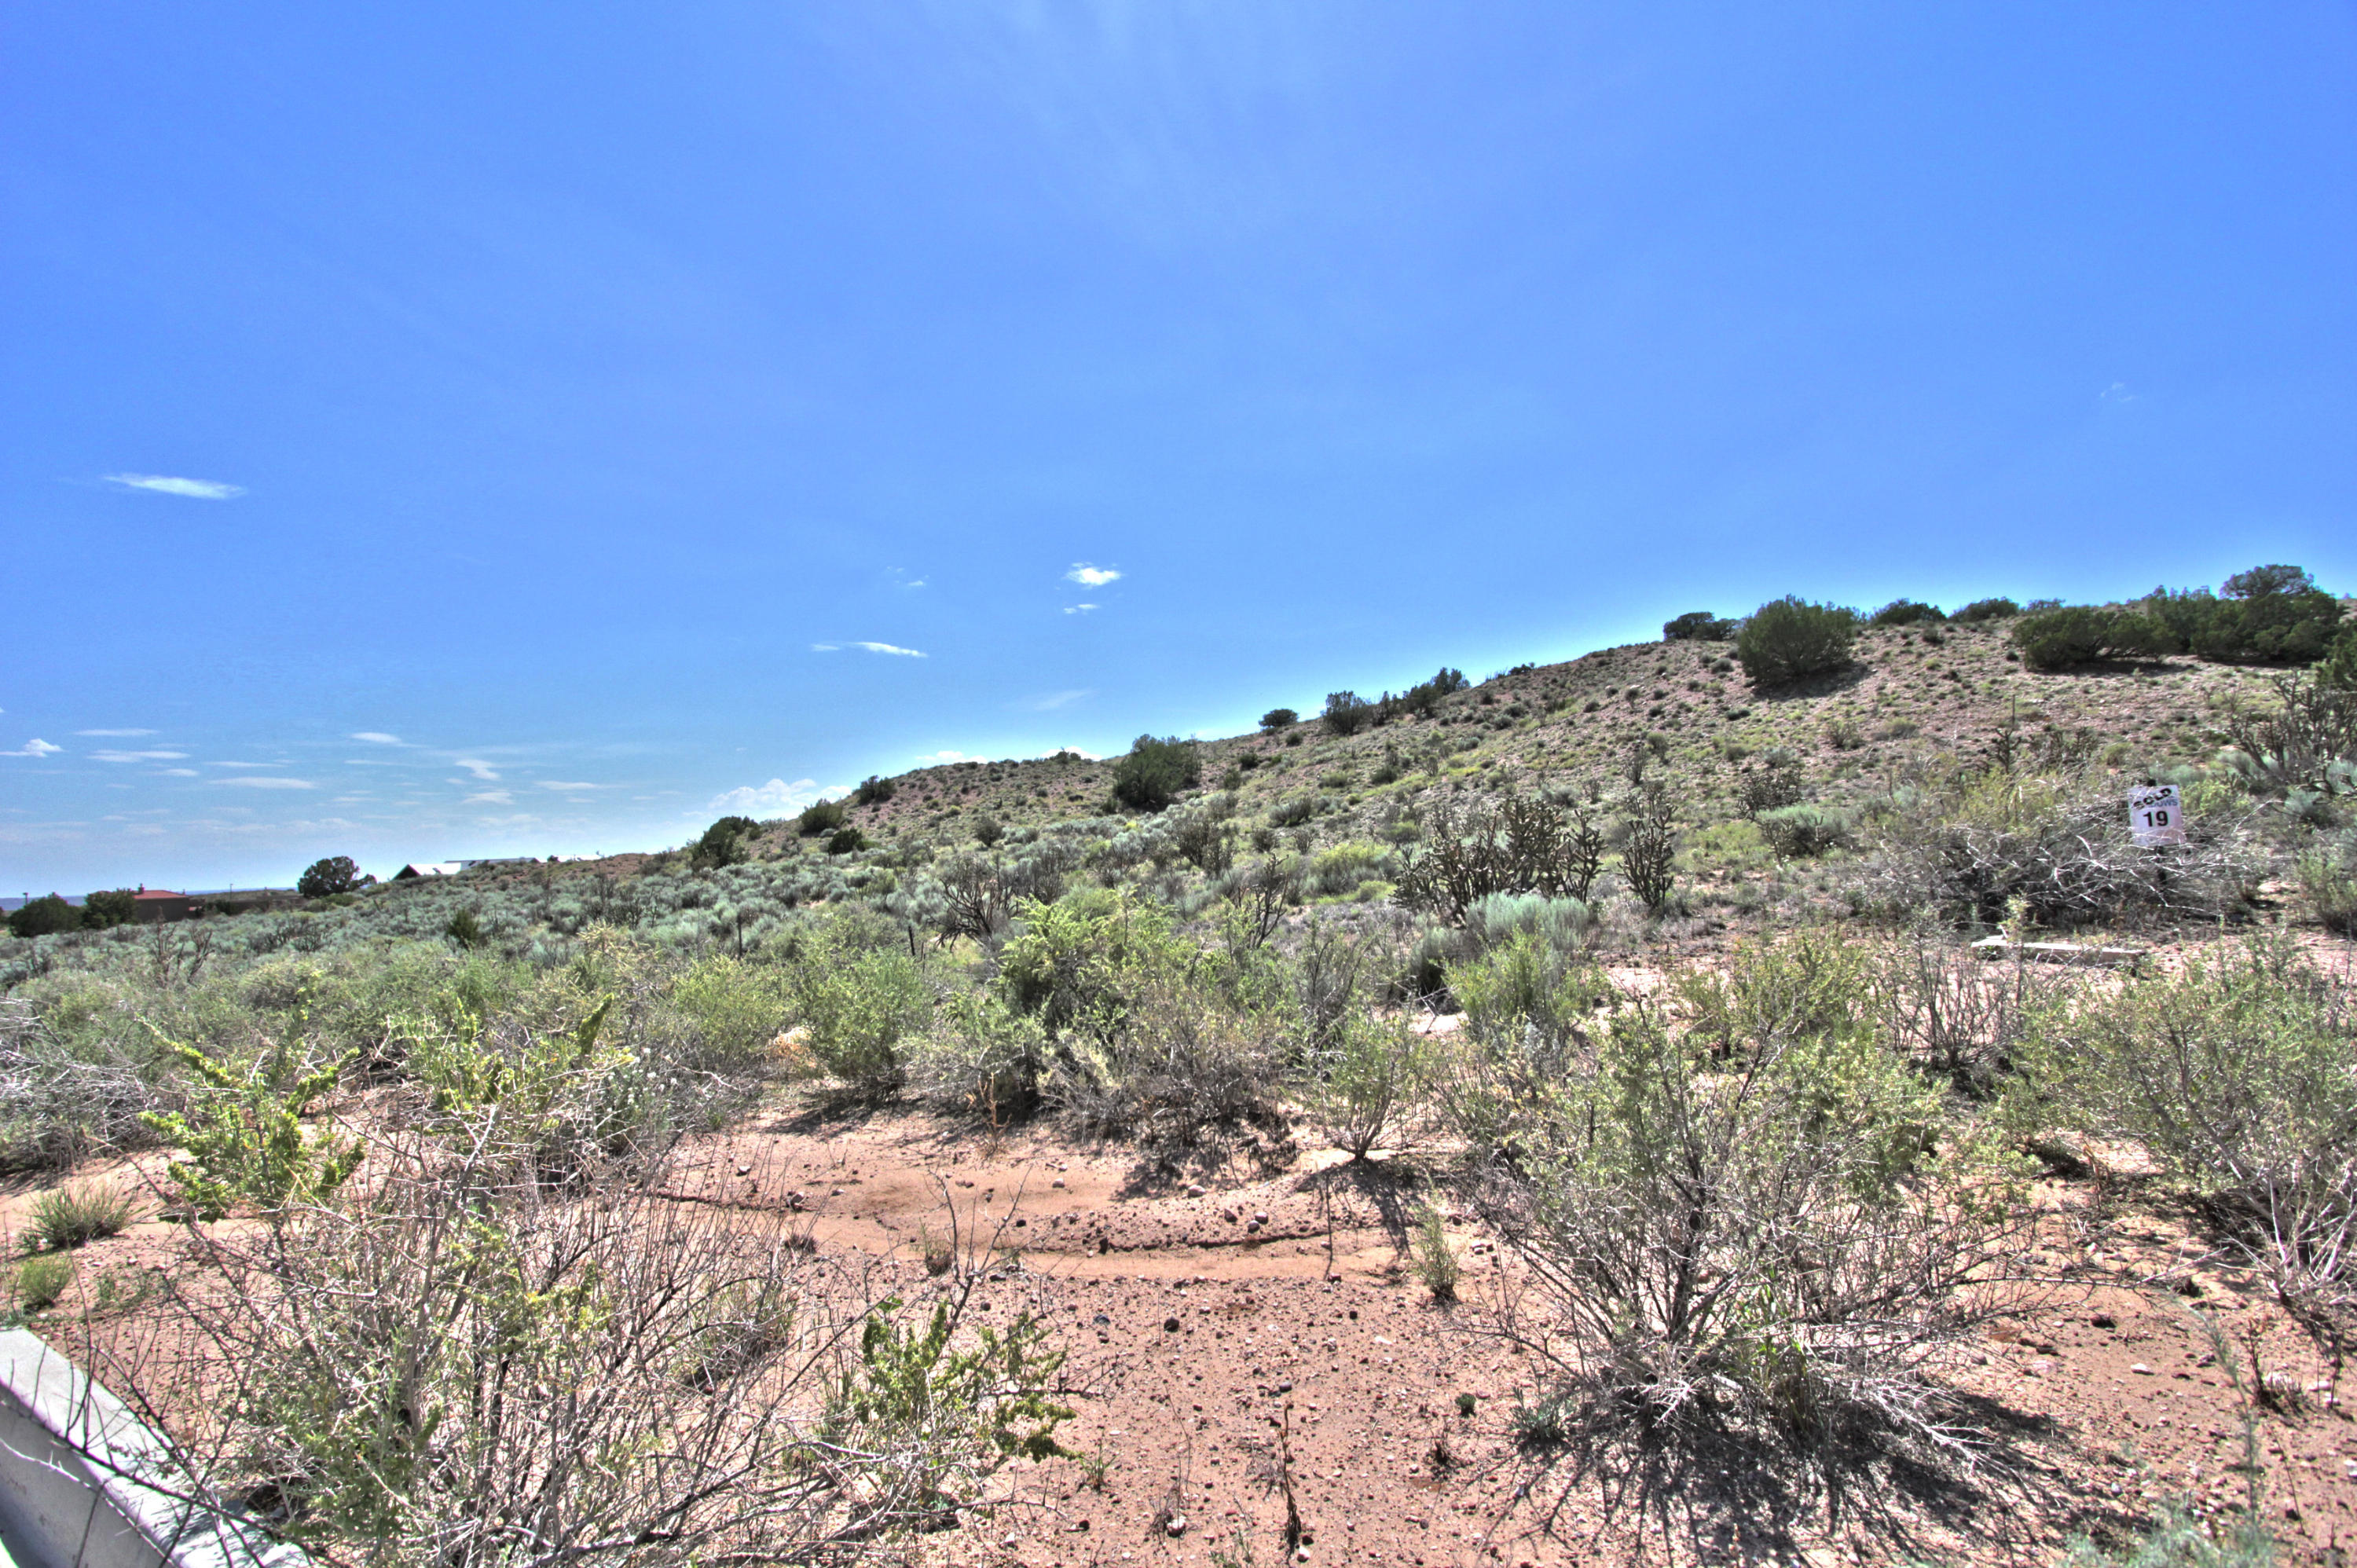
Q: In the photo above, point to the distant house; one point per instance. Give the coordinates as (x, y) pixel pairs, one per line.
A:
(151, 906)
(423, 868)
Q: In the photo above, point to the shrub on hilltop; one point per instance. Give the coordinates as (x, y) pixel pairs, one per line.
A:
(1156, 771)
(1789, 639)
(1697, 626)
(325, 877)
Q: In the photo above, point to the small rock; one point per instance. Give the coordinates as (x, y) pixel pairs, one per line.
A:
(1058, 1181)
(743, 1170)
(1194, 1189)
(1260, 1218)
(1101, 1320)
(1169, 1325)
(1301, 1554)
(835, 1192)
(2141, 1370)
(2103, 1320)
(1175, 1525)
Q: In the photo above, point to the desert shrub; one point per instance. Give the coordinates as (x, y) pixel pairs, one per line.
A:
(1154, 772)
(1789, 639)
(1905, 612)
(1366, 1084)
(1205, 842)
(981, 1054)
(2327, 875)
(42, 1282)
(1528, 1008)
(1435, 1260)
(44, 917)
(819, 817)
(845, 841)
(2338, 667)
(1809, 984)
(2067, 636)
(448, 1365)
(728, 1012)
(1977, 842)
(73, 1215)
(1782, 1248)
(70, 1090)
(1293, 810)
(724, 843)
(1520, 846)
(2238, 1074)
(115, 907)
(2181, 1538)
(987, 831)
(325, 877)
(873, 790)
(1954, 1013)
(2307, 741)
(1346, 713)
(466, 927)
(1342, 868)
(243, 1129)
(2267, 614)
(1987, 609)
(1563, 924)
(1771, 782)
(1280, 718)
(1648, 848)
(858, 998)
(1697, 626)
(1802, 833)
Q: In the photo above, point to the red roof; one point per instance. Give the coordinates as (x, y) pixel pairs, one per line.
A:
(154, 893)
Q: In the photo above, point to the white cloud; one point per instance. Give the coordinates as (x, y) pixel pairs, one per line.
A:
(35, 747)
(268, 783)
(167, 485)
(1055, 700)
(115, 733)
(870, 647)
(178, 772)
(774, 799)
(245, 764)
(140, 755)
(377, 737)
(1078, 609)
(478, 767)
(934, 758)
(566, 784)
(826, 647)
(1089, 576)
(489, 798)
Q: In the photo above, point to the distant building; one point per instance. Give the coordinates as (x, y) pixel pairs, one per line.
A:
(151, 906)
(425, 868)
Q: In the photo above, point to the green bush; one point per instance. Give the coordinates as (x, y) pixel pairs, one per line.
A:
(1346, 713)
(1905, 612)
(873, 790)
(858, 1002)
(2328, 873)
(44, 918)
(103, 911)
(1365, 1084)
(42, 1282)
(819, 817)
(2238, 1074)
(845, 841)
(2268, 614)
(71, 1216)
(2067, 636)
(1342, 867)
(325, 877)
(1697, 626)
(724, 843)
(1156, 772)
(1987, 609)
(1711, 1243)
(1789, 639)
(1803, 832)
(1280, 718)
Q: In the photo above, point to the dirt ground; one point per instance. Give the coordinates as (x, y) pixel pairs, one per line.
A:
(1249, 1321)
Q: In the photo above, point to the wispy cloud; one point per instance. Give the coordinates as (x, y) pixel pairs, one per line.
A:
(1089, 576)
(478, 767)
(934, 758)
(278, 783)
(245, 764)
(489, 798)
(35, 747)
(868, 647)
(178, 773)
(1077, 610)
(568, 784)
(115, 733)
(377, 737)
(773, 799)
(171, 484)
(140, 755)
(1054, 700)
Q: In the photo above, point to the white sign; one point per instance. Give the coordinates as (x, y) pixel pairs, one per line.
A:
(2155, 814)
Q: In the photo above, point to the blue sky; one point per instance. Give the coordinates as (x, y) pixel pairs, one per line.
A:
(443, 430)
